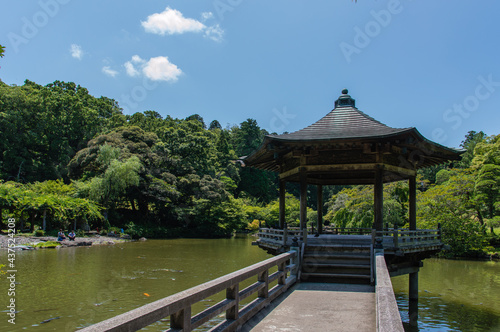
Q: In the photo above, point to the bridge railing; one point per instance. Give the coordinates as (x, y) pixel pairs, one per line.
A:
(387, 313)
(281, 237)
(178, 306)
(392, 238)
(402, 239)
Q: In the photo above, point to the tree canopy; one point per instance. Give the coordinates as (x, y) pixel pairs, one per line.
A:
(67, 156)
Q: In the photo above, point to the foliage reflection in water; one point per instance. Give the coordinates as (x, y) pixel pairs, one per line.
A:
(82, 286)
(454, 295)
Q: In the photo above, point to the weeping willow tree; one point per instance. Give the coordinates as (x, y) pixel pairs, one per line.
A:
(42, 202)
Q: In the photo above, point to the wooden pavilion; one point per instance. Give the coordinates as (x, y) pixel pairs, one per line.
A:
(348, 147)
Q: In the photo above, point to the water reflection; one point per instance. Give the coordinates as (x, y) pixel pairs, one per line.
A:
(71, 288)
(454, 295)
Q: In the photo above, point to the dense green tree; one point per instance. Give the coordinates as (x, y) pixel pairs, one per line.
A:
(452, 204)
(469, 144)
(124, 167)
(43, 127)
(486, 166)
(353, 206)
(49, 203)
(254, 182)
(215, 125)
(199, 118)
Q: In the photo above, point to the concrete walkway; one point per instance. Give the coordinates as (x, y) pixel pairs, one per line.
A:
(318, 307)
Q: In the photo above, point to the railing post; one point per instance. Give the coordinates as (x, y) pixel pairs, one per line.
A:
(181, 319)
(232, 293)
(395, 238)
(282, 277)
(295, 260)
(285, 234)
(264, 277)
(304, 236)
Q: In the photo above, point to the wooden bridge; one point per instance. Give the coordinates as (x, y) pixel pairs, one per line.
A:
(331, 282)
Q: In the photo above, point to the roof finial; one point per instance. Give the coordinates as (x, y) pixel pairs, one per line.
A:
(345, 100)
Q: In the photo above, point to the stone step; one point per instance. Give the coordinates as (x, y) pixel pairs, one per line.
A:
(335, 278)
(336, 256)
(339, 266)
(336, 269)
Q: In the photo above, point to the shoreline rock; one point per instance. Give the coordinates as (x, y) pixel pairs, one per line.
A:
(23, 242)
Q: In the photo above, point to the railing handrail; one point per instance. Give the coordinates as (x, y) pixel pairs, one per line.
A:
(402, 238)
(387, 313)
(178, 306)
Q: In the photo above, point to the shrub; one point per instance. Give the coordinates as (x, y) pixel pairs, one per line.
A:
(48, 244)
(133, 230)
(39, 232)
(254, 225)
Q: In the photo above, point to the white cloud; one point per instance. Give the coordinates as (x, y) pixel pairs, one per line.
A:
(206, 16)
(130, 68)
(108, 71)
(156, 69)
(171, 21)
(214, 32)
(160, 69)
(137, 59)
(76, 51)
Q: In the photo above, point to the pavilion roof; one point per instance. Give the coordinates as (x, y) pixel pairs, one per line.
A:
(347, 126)
(343, 122)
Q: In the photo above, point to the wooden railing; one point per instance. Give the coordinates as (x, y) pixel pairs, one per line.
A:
(348, 231)
(387, 313)
(391, 238)
(282, 237)
(405, 239)
(178, 306)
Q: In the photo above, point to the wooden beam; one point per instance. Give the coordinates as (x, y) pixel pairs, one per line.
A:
(289, 173)
(405, 172)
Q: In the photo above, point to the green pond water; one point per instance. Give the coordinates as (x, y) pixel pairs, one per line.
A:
(70, 288)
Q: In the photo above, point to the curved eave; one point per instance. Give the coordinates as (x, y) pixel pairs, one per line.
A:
(331, 138)
(429, 153)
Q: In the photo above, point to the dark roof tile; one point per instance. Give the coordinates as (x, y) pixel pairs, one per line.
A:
(341, 123)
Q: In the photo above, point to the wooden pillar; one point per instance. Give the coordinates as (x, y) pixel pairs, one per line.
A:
(320, 209)
(413, 314)
(413, 286)
(378, 197)
(282, 204)
(303, 200)
(412, 204)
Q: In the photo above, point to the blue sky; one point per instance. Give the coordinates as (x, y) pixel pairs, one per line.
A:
(433, 65)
